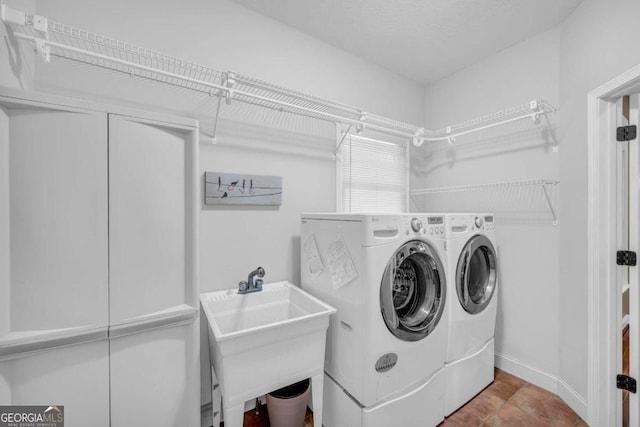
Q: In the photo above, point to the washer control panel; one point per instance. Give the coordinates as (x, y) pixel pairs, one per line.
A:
(416, 224)
(484, 223)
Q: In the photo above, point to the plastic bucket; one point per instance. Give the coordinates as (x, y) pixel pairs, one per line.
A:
(287, 406)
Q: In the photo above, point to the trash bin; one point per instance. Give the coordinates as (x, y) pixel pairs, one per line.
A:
(287, 406)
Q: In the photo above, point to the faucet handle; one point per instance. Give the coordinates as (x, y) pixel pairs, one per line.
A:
(242, 286)
(258, 284)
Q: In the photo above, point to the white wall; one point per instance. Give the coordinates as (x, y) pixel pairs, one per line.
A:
(226, 36)
(598, 42)
(526, 330)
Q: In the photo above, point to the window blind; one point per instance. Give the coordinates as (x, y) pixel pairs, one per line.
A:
(373, 176)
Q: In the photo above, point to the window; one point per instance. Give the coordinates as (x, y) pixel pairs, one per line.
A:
(372, 176)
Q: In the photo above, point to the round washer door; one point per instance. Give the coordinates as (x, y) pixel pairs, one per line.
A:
(412, 292)
(476, 274)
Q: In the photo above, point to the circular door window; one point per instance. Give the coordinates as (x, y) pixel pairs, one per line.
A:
(412, 292)
(476, 274)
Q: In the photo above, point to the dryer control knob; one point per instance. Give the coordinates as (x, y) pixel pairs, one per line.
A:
(479, 221)
(416, 224)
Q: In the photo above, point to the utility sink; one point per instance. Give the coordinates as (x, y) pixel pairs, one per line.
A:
(262, 341)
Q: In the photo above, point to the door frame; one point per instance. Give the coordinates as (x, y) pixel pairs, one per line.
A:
(604, 405)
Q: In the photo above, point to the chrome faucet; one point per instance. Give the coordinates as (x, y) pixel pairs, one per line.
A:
(248, 286)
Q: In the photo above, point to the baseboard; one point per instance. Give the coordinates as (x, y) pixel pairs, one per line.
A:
(527, 372)
(573, 399)
(544, 380)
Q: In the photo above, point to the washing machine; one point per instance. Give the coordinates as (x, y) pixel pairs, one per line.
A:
(471, 307)
(386, 344)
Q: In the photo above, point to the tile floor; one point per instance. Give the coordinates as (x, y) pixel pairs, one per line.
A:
(508, 402)
(511, 402)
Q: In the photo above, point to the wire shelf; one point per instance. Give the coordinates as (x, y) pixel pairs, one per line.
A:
(533, 110)
(57, 40)
(543, 184)
(53, 39)
(477, 187)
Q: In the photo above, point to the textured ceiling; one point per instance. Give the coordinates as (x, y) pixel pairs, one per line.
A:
(424, 40)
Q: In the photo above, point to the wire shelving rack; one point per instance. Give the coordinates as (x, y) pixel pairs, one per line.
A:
(543, 184)
(57, 40)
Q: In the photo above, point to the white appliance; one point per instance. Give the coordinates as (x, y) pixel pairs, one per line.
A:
(385, 274)
(471, 306)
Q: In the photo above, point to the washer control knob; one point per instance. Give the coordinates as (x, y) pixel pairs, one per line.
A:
(416, 224)
(479, 221)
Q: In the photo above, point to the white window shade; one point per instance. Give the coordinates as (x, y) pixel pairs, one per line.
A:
(372, 176)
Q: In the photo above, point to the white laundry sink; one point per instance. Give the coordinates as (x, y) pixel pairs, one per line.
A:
(262, 341)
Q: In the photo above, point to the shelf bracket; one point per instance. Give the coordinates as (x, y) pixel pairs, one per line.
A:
(546, 195)
(554, 140)
(540, 111)
(450, 139)
(41, 49)
(417, 137)
(214, 138)
(344, 135)
(229, 82)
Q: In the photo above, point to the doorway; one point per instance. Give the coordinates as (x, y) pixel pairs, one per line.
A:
(614, 225)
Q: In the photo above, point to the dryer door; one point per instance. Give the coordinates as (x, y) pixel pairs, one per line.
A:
(476, 274)
(412, 292)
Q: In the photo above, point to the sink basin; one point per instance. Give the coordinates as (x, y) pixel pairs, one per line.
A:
(263, 341)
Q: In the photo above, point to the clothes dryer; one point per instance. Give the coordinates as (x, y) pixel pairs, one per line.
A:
(386, 344)
(471, 306)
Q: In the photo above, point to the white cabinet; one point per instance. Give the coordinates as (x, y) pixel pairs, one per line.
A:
(76, 377)
(54, 223)
(151, 217)
(98, 261)
(153, 374)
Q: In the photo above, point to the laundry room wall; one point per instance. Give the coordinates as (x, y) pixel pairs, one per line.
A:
(226, 36)
(527, 338)
(598, 42)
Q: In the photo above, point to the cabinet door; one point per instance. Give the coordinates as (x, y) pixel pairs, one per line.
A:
(155, 377)
(53, 198)
(76, 377)
(151, 217)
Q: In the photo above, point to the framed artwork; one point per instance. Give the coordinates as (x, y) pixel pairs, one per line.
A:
(241, 189)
